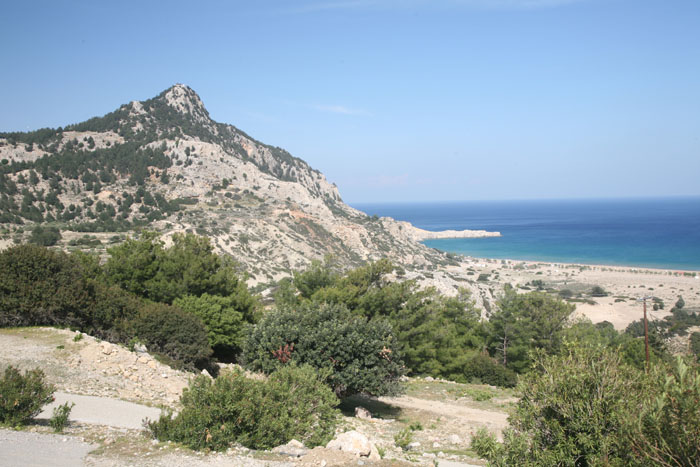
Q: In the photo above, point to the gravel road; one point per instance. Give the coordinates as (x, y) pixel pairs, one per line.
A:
(25, 449)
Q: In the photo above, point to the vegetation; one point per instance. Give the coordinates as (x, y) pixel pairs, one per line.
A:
(174, 333)
(59, 418)
(292, 403)
(130, 296)
(587, 407)
(524, 322)
(353, 353)
(435, 334)
(22, 396)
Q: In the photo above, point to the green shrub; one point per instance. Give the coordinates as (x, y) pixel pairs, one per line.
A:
(45, 236)
(667, 431)
(403, 438)
(172, 332)
(292, 403)
(39, 286)
(695, 344)
(22, 395)
(358, 355)
(189, 267)
(59, 418)
(486, 370)
(224, 318)
(574, 410)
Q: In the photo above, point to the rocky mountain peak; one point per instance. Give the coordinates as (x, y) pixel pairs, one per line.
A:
(186, 101)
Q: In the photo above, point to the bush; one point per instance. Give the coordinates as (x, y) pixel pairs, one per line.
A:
(695, 344)
(574, 411)
(223, 318)
(172, 332)
(39, 286)
(189, 267)
(59, 418)
(45, 236)
(292, 403)
(403, 438)
(667, 431)
(358, 355)
(22, 395)
(486, 370)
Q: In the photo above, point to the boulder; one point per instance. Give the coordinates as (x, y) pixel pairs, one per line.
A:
(353, 442)
(293, 448)
(361, 412)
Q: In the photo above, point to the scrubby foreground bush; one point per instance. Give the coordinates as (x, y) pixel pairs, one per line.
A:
(357, 354)
(586, 407)
(22, 396)
(291, 404)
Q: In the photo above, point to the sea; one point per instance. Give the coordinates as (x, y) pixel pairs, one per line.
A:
(659, 233)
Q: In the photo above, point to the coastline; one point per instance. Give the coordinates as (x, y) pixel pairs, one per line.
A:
(624, 285)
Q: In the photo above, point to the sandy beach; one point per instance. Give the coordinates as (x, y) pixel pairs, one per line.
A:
(624, 285)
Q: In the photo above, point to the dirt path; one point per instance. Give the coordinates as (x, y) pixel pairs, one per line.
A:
(468, 416)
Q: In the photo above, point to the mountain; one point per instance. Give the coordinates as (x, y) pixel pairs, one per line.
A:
(163, 164)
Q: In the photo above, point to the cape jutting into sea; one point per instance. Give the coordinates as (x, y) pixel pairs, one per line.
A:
(657, 233)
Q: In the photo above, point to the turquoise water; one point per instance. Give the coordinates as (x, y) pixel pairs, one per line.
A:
(658, 233)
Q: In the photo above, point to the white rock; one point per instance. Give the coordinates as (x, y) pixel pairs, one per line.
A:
(429, 378)
(374, 454)
(293, 448)
(351, 441)
(361, 412)
(206, 373)
(454, 439)
(429, 455)
(414, 445)
(436, 444)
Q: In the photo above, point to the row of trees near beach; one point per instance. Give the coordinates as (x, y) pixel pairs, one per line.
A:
(586, 397)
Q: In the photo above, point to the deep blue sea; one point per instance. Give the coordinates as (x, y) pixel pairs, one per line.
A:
(657, 233)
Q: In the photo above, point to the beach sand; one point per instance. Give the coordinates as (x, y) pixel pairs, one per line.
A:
(624, 285)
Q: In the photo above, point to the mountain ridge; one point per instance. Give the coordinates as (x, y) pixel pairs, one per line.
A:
(163, 164)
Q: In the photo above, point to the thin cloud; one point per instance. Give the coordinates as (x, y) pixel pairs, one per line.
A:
(340, 109)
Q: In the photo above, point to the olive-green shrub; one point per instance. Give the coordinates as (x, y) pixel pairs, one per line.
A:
(22, 395)
(172, 332)
(292, 403)
(574, 410)
(359, 355)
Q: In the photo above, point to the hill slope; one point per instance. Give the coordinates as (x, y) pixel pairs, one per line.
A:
(164, 164)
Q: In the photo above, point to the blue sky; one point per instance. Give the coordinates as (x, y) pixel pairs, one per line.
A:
(410, 100)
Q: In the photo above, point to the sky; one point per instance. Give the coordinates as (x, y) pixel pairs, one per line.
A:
(414, 100)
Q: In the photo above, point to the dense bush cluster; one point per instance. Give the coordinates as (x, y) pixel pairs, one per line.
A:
(357, 355)
(585, 407)
(22, 396)
(130, 296)
(437, 335)
(292, 403)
